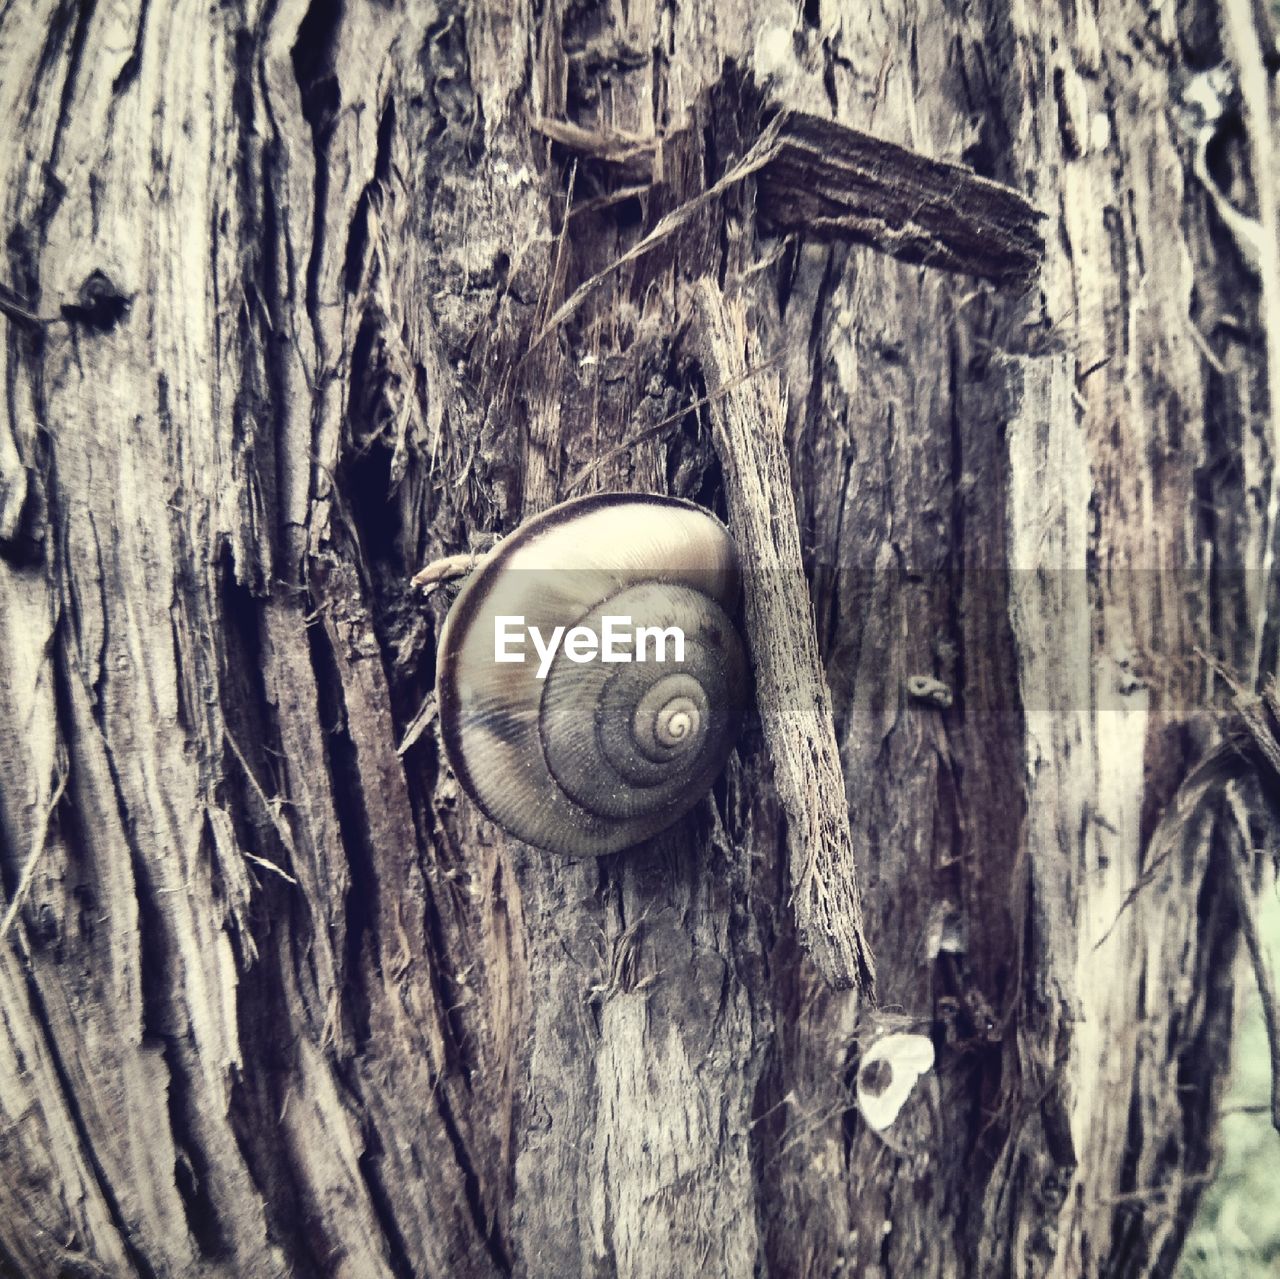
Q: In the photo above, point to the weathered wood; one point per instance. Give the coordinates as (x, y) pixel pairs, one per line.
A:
(824, 179)
(297, 299)
(747, 417)
(842, 183)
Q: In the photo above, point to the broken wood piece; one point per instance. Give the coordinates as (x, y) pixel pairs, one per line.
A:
(830, 181)
(824, 179)
(791, 689)
(446, 569)
(637, 157)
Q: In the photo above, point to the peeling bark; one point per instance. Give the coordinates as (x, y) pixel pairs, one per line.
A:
(283, 298)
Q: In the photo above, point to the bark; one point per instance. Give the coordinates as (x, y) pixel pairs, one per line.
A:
(285, 292)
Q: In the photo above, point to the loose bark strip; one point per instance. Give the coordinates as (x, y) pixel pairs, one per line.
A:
(639, 157)
(1243, 41)
(794, 700)
(840, 183)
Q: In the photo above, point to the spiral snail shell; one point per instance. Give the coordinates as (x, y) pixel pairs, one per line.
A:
(588, 756)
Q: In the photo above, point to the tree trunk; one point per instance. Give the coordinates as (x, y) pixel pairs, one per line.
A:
(284, 292)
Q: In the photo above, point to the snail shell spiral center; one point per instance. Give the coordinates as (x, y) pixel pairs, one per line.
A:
(677, 720)
(669, 717)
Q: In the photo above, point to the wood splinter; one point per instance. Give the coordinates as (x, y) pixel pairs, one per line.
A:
(791, 688)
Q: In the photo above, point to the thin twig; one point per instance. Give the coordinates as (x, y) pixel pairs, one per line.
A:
(1163, 845)
(764, 150)
(1261, 974)
(446, 569)
(1148, 1194)
(38, 842)
(273, 815)
(657, 428)
(606, 201)
(19, 310)
(557, 260)
(426, 713)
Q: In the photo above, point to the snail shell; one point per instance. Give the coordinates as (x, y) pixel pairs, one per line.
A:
(596, 756)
